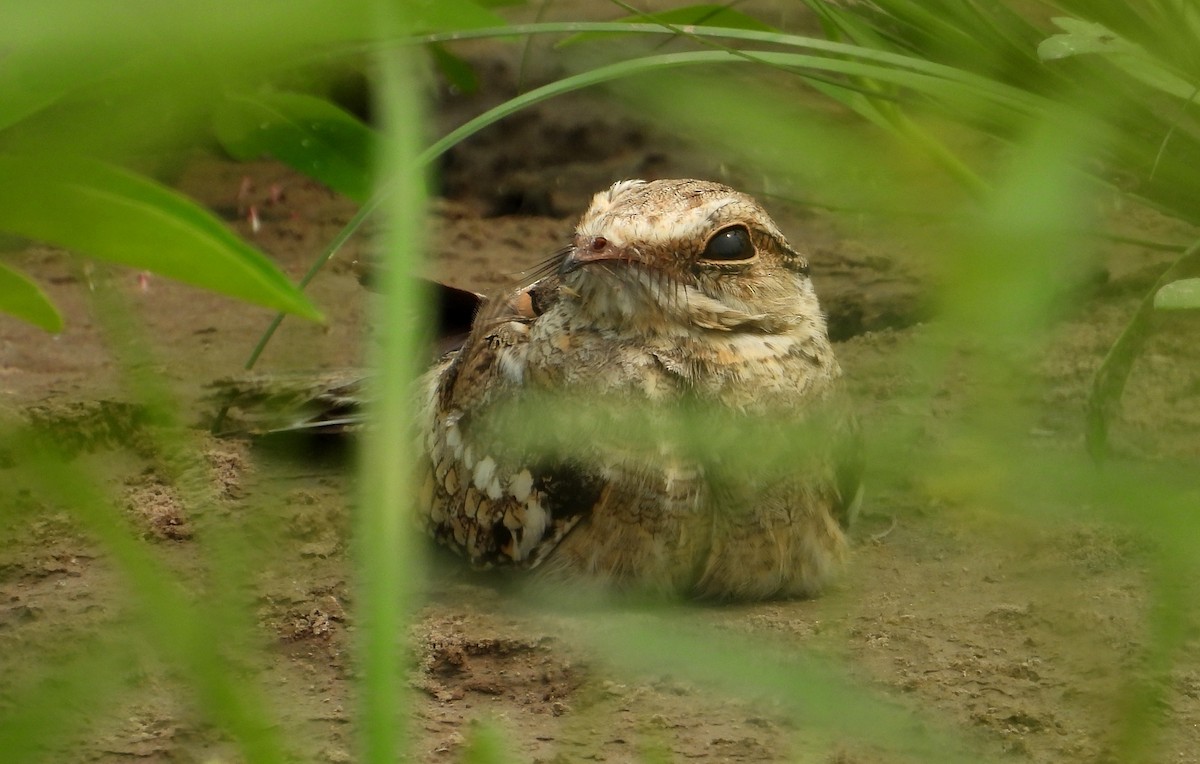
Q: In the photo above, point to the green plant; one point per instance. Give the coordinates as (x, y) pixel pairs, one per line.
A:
(1019, 206)
(96, 103)
(88, 85)
(1123, 69)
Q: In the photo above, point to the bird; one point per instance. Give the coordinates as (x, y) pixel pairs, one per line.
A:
(657, 409)
(673, 301)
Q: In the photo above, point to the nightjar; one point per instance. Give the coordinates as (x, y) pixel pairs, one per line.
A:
(672, 296)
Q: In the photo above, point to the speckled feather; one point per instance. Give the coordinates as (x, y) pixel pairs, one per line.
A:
(671, 294)
(646, 304)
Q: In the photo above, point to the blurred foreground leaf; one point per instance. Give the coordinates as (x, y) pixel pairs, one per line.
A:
(33, 82)
(90, 677)
(485, 745)
(823, 696)
(388, 565)
(307, 133)
(110, 214)
(21, 297)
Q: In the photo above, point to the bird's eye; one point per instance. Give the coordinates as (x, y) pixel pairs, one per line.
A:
(729, 245)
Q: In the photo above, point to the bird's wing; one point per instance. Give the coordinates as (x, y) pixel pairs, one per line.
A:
(479, 494)
(269, 404)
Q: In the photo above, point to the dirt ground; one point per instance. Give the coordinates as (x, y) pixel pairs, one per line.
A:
(1022, 636)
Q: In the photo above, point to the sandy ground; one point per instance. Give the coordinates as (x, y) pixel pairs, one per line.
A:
(1018, 636)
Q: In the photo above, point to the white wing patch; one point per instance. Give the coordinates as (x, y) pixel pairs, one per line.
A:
(485, 469)
(536, 521)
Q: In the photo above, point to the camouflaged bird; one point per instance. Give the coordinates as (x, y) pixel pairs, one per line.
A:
(672, 293)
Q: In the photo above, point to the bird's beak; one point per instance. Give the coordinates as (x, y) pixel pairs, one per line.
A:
(587, 252)
(576, 259)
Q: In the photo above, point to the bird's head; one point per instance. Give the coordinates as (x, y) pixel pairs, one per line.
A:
(677, 256)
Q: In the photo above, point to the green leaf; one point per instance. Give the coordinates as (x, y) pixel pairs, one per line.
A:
(114, 215)
(304, 132)
(22, 298)
(1079, 38)
(1084, 37)
(457, 72)
(1183, 294)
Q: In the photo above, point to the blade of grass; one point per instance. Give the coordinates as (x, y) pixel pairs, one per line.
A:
(1109, 381)
(862, 95)
(988, 87)
(388, 568)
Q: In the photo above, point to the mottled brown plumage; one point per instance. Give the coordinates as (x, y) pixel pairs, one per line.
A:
(671, 292)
